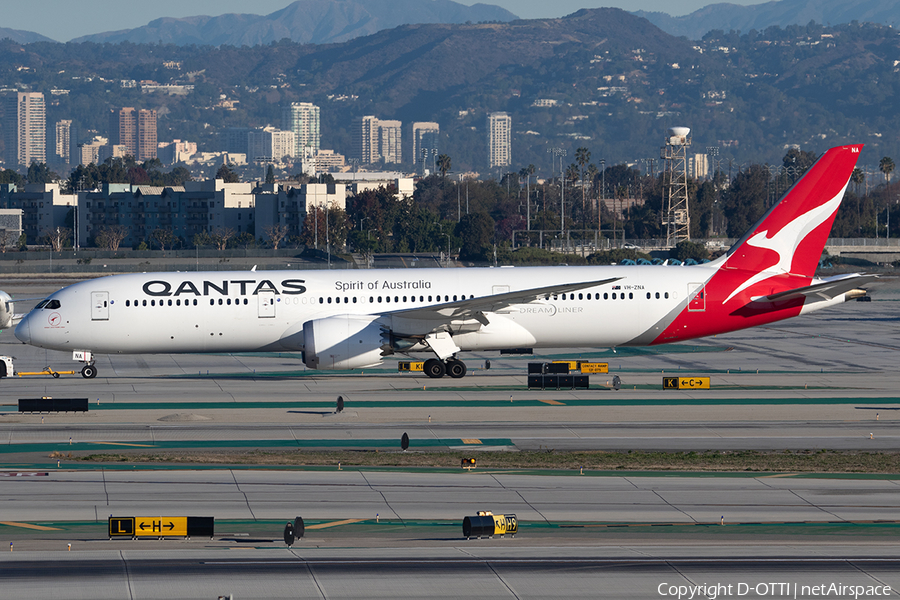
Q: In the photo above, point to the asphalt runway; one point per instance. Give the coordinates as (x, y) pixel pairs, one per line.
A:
(461, 572)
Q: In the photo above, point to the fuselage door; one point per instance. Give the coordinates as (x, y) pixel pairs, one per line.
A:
(266, 300)
(99, 306)
(697, 295)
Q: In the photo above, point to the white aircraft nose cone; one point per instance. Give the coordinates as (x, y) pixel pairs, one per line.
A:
(23, 331)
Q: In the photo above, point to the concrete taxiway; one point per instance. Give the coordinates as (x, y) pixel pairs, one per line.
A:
(410, 496)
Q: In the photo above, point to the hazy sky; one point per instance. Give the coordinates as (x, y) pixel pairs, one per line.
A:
(63, 20)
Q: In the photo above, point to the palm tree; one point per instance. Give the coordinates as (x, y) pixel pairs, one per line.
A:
(886, 166)
(583, 158)
(527, 172)
(572, 174)
(443, 162)
(858, 178)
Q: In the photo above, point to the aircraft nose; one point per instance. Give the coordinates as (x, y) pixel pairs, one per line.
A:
(23, 331)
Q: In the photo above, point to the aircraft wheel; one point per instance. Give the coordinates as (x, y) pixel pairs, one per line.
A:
(434, 368)
(89, 371)
(456, 369)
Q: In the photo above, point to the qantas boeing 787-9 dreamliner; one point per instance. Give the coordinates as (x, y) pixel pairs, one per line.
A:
(353, 319)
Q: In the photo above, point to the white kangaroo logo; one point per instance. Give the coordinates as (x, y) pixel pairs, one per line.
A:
(785, 242)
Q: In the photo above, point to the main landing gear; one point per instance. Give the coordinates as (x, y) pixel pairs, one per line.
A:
(436, 369)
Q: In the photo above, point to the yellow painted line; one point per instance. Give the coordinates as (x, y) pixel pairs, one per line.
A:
(471, 441)
(334, 523)
(29, 526)
(553, 402)
(125, 444)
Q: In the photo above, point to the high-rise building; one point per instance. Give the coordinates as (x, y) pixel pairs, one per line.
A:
(146, 134)
(236, 139)
(134, 129)
(499, 126)
(365, 140)
(390, 134)
(63, 140)
(25, 128)
(424, 143)
(268, 144)
(123, 128)
(303, 119)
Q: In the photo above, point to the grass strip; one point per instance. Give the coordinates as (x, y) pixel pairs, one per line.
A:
(750, 462)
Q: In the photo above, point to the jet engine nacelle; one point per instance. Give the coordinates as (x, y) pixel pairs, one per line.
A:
(6, 311)
(343, 342)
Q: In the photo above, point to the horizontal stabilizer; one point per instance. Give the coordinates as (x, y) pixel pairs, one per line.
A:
(824, 290)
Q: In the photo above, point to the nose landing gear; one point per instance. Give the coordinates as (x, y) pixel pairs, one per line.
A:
(89, 371)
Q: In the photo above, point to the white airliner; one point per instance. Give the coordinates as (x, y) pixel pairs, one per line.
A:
(353, 319)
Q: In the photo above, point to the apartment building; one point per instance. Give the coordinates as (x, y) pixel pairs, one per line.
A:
(44, 207)
(303, 118)
(499, 126)
(268, 144)
(63, 141)
(390, 135)
(425, 136)
(24, 128)
(365, 140)
(135, 130)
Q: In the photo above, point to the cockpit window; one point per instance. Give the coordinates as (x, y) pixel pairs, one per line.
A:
(52, 304)
(49, 304)
(41, 304)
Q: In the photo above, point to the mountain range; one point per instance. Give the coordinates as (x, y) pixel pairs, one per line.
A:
(600, 78)
(783, 13)
(303, 21)
(334, 21)
(22, 37)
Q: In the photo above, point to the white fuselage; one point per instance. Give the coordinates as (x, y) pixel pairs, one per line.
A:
(241, 311)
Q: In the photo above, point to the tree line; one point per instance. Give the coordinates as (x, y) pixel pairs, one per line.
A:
(587, 206)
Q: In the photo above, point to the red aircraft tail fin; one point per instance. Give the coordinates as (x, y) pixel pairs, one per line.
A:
(789, 239)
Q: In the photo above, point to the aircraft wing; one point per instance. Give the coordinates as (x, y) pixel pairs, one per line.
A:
(474, 308)
(824, 290)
